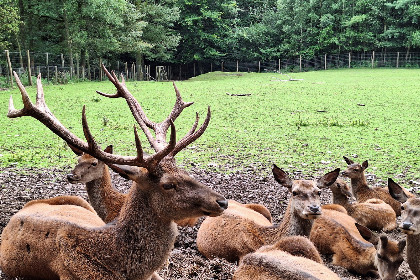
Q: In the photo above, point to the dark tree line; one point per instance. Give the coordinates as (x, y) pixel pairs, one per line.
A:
(202, 30)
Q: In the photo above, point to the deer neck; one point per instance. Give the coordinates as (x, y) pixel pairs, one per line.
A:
(138, 231)
(342, 200)
(359, 185)
(96, 190)
(413, 247)
(291, 225)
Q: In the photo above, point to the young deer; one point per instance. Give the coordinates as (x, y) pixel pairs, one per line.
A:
(362, 191)
(410, 225)
(373, 214)
(104, 198)
(239, 230)
(50, 241)
(336, 233)
(281, 261)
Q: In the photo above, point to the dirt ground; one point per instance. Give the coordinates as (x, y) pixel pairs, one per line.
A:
(18, 186)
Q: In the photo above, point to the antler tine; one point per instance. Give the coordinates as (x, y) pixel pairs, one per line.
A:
(27, 104)
(179, 106)
(168, 149)
(192, 135)
(134, 106)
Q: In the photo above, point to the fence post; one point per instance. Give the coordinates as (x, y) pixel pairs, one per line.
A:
(126, 70)
(325, 61)
(62, 61)
(300, 63)
(211, 67)
(48, 68)
(83, 72)
(100, 69)
(373, 57)
(77, 66)
(56, 74)
(349, 59)
(29, 68)
(10, 67)
(279, 66)
(398, 58)
(259, 66)
(237, 65)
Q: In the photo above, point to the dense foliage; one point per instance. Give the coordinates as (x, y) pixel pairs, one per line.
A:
(186, 30)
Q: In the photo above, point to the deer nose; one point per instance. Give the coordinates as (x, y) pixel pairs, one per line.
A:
(314, 208)
(407, 225)
(223, 203)
(72, 178)
(344, 173)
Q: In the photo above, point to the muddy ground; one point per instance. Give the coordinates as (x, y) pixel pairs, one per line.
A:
(19, 186)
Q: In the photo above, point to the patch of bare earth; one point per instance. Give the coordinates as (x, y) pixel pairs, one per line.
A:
(19, 186)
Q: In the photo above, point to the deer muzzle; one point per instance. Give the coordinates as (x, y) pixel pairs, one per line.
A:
(73, 178)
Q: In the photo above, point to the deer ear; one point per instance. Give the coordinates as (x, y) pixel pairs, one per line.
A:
(348, 161)
(396, 191)
(281, 177)
(108, 149)
(365, 164)
(328, 179)
(125, 171)
(401, 245)
(384, 240)
(75, 150)
(367, 234)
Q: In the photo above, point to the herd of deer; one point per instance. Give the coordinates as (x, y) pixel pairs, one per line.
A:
(130, 236)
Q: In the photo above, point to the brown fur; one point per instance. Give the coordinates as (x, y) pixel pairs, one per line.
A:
(410, 225)
(335, 233)
(282, 261)
(239, 230)
(374, 213)
(362, 191)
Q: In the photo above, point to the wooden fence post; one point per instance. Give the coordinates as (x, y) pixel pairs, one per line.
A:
(373, 57)
(29, 68)
(126, 70)
(398, 58)
(279, 66)
(222, 66)
(349, 60)
(237, 65)
(56, 74)
(48, 68)
(300, 63)
(10, 67)
(100, 69)
(77, 66)
(325, 61)
(259, 66)
(83, 72)
(62, 61)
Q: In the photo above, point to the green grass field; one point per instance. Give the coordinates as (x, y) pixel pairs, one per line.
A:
(305, 125)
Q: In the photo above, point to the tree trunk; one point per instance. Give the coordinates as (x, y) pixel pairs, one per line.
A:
(68, 39)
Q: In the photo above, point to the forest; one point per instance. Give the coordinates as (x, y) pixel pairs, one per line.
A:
(185, 31)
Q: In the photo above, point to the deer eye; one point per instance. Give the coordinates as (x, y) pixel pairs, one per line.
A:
(402, 207)
(169, 186)
(294, 193)
(319, 192)
(379, 256)
(94, 163)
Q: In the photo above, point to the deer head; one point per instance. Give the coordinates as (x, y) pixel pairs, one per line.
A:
(306, 199)
(354, 170)
(172, 191)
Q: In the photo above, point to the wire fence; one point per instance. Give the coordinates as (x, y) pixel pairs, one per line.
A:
(57, 68)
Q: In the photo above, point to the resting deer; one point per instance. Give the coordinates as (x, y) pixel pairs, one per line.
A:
(280, 261)
(410, 224)
(50, 241)
(239, 230)
(373, 213)
(336, 233)
(362, 191)
(104, 198)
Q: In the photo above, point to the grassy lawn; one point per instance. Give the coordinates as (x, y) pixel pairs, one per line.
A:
(305, 125)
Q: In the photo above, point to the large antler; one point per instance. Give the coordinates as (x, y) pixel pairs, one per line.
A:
(160, 129)
(41, 112)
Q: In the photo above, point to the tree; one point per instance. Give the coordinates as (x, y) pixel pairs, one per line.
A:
(9, 23)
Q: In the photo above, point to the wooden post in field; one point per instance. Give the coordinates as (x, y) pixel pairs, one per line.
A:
(211, 67)
(398, 58)
(373, 57)
(259, 66)
(21, 59)
(300, 63)
(10, 67)
(237, 65)
(349, 59)
(77, 66)
(56, 74)
(222, 66)
(126, 70)
(62, 61)
(29, 68)
(100, 69)
(279, 66)
(325, 61)
(48, 67)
